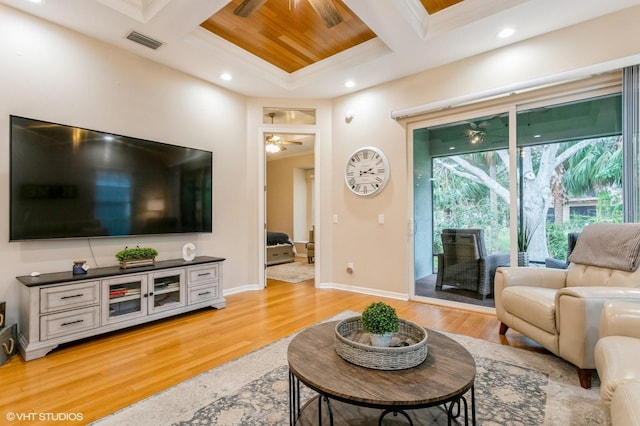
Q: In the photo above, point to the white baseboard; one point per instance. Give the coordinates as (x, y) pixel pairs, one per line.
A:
(364, 290)
(242, 289)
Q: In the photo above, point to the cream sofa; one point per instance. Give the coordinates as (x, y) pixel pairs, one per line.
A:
(616, 357)
(560, 309)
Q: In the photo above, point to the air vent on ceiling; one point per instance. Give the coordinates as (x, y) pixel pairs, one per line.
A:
(144, 40)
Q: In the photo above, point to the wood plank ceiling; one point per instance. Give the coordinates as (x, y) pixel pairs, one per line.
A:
(290, 35)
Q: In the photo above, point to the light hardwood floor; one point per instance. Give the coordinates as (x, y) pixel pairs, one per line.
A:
(99, 376)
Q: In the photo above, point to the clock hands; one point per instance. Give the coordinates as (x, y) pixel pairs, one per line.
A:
(365, 172)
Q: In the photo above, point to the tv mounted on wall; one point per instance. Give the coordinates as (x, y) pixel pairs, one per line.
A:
(70, 182)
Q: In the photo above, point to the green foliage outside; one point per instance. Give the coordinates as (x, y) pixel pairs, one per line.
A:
(137, 253)
(379, 318)
(461, 200)
(608, 209)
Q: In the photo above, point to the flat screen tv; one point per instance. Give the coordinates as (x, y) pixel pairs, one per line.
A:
(70, 182)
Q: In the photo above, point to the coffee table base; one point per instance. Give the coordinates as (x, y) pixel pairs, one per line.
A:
(321, 411)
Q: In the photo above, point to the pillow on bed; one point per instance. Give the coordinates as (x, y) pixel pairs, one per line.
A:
(275, 238)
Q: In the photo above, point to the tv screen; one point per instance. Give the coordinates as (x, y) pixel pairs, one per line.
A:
(70, 182)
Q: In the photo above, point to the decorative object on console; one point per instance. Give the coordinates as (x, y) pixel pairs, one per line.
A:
(188, 252)
(138, 256)
(80, 267)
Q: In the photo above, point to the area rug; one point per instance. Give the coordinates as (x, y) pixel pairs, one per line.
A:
(513, 387)
(294, 272)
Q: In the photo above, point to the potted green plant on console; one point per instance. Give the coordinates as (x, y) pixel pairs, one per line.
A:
(380, 321)
(138, 256)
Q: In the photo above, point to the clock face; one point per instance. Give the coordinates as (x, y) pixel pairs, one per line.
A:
(367, 171)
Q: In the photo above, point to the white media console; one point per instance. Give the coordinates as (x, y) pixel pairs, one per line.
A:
(61, 307)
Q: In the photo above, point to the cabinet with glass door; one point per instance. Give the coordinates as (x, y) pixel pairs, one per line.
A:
(167, 290)
(124, 298)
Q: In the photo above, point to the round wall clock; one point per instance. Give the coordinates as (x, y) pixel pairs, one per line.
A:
(367, 171)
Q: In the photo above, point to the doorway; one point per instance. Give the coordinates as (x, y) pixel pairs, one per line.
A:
(289, 207)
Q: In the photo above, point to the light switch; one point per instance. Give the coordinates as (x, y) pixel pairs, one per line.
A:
(381, 218)
(335, 218)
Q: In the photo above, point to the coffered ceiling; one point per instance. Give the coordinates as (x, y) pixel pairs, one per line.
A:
(285, 49)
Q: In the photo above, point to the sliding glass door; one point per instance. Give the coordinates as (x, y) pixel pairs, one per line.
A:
(569, 173)
(470, 181)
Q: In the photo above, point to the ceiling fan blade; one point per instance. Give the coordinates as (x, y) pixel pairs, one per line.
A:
(292, 142)
(247, 7)
(327, 11)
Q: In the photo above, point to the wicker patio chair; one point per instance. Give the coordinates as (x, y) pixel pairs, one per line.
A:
(465, 263)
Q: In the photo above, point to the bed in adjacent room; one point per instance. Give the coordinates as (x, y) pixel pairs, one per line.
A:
(280, 248)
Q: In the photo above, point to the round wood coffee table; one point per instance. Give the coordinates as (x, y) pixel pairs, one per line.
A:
(348, 393)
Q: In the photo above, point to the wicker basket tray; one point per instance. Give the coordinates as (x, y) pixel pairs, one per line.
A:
(408, 346)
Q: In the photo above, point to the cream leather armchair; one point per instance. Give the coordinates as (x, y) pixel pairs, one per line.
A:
(560, 309)
(616, 356)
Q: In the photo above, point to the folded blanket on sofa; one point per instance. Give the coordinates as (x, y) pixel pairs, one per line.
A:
(609, 245)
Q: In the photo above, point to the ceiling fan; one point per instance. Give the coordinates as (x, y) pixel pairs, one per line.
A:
(476, 132)
(324, 8)
(479, 131)
(274, 143)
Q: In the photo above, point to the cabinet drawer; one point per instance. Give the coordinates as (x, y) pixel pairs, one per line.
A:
(202, 274)
(203, 293)
(64, 323)
(55, 299)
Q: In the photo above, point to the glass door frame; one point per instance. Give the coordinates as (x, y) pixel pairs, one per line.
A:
(546, 97)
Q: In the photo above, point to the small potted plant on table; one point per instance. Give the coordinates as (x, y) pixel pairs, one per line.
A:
(138, 256)
(380, 321)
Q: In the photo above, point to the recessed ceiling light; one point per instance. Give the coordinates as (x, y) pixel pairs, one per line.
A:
(38, 1)
(225, 76)
(507, 32)
(349, 83)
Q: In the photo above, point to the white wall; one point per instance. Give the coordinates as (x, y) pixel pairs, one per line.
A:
(54, 74)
